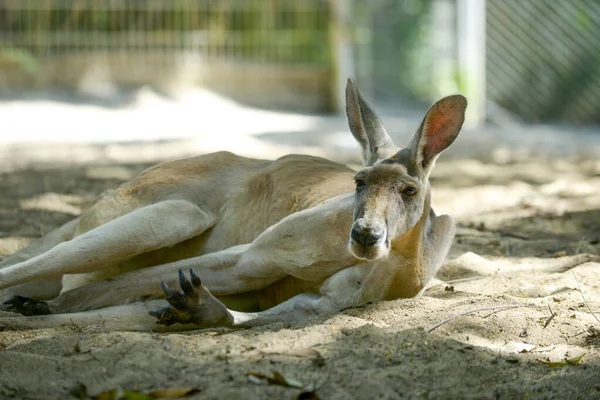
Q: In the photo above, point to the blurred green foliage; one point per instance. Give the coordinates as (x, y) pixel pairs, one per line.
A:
(21, 57)
(294, 31)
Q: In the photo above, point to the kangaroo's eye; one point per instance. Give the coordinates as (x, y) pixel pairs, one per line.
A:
(409, 191)
(360, 184)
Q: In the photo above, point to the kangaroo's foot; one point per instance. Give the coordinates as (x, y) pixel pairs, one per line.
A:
(27, 306)
(195, 305)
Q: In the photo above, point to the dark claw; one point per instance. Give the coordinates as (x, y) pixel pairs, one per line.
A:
(27, 306)
(156, 313)
(195, 279)
(174, 298)
(168, 291)
(12, 302)
(185, 285)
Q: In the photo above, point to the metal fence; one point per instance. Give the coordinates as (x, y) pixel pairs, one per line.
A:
(145, 42)
(261, 51)
(265, 30)
(543, 58)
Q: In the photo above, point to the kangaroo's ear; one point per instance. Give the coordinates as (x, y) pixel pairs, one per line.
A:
(366, 127)
(438, 130)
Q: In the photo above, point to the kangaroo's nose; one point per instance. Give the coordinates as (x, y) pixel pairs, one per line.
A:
(367, 237)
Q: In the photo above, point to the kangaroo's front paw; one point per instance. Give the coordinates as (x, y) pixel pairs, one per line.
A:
(27, 306)
(195, 305)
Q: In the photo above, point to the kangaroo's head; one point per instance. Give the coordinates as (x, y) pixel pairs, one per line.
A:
(393, 185)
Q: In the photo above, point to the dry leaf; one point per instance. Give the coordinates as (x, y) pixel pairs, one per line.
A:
(120, 394)
(173, 393)
(288, 381)
(563, 363)
(574, 360)
(257, 379)
(277, 379)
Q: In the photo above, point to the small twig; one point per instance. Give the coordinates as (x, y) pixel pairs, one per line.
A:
(550, 318)
(431, 328)
(583, 297)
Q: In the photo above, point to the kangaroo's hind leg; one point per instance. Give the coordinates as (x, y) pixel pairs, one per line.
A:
(148, 228)
(41, 289)
(41, 245)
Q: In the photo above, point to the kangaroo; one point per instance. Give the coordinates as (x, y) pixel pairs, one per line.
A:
(263, 241)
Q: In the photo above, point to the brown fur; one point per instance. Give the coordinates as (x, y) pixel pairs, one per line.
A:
(266, 191)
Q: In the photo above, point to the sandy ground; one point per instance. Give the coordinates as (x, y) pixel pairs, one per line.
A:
(528, 237)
